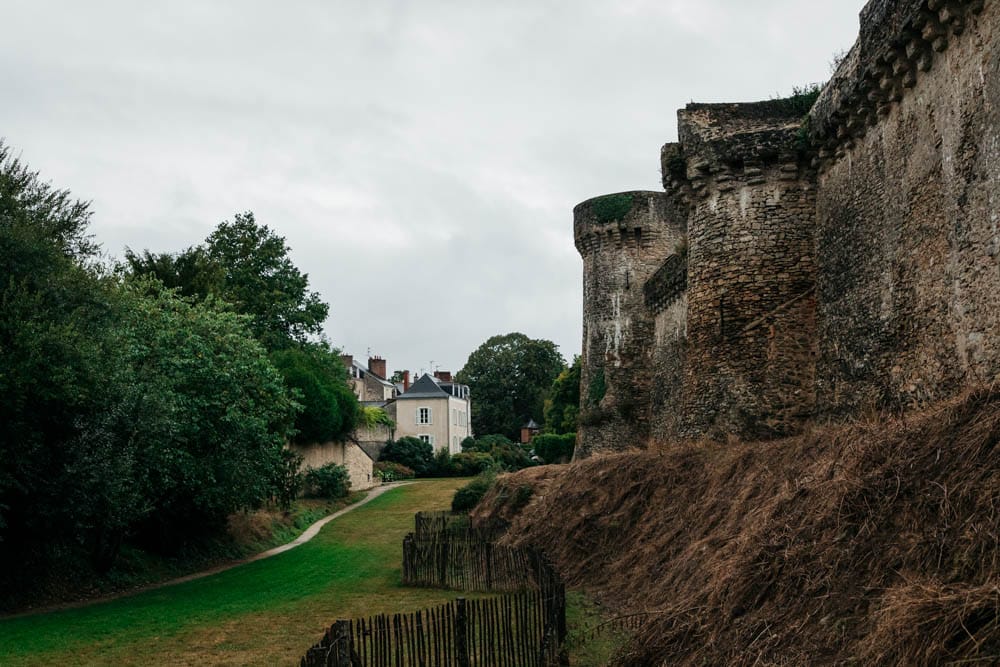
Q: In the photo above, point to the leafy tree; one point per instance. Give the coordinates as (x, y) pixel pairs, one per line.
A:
(192, 272)
(53, 315)
(27, 202)
(128, 410)
(247, 265)
(318, 378)
(509, 377)
(261, 281)
(205, 413)
(471, 463)
(562, 407)
(411, 452)
(553, 448)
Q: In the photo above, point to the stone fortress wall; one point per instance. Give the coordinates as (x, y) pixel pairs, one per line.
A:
(808, 266)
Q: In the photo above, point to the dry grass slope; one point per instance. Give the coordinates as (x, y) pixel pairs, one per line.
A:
(873, 543)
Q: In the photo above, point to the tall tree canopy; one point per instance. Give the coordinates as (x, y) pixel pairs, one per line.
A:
(509, 377)
(128, 411)
(191, 272)
(261, 281)
(562, 407)
(246, 265)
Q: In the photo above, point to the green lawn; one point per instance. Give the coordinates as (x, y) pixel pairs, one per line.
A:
(264, 613)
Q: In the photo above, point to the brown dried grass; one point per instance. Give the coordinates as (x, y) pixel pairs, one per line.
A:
(874, 543)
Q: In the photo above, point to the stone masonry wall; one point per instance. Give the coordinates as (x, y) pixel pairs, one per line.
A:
(750, 254)
(908, 206)
(807, 266)
(623, 239)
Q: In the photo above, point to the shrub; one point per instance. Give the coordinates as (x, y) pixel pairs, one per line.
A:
(554, 448)
(411, 452)
(441, 465)
(469, 495)
(467, 464)
(390, 471)
(288, 480)
(329, 481)
(485, 443)
(502, 450)
(511, 457)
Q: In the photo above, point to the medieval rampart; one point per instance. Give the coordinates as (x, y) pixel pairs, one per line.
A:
(810, 266)
(623, 239)
(909, 196)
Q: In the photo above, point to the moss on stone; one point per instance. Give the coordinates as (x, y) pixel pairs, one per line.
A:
(611, 207)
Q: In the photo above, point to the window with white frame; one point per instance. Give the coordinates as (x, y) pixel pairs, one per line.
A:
(424, 416)
(429, 439)
(454, 441)
(454, 416)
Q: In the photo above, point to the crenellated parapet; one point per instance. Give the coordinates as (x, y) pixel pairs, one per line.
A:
(899, 42)
(619, 221)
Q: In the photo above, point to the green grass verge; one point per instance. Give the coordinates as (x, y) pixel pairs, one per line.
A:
(267, 612)
(589, 641)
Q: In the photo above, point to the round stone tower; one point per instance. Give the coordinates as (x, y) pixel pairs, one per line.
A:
(750, 362)
(623, 239)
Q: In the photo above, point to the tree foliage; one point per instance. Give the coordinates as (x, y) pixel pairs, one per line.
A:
(562, 407)
(246, 265)
(191, 272)
(509, 377)
(261, 281)
(330, 481)
(504, 452)
(129, 411)
(553, 448)
(411, 452)
(314, 372)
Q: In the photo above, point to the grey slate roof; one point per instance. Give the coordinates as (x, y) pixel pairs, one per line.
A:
(425, 387)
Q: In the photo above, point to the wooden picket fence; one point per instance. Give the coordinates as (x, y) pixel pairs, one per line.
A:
(526, 627)
(434, 525)
(523, 629)
(467, 564)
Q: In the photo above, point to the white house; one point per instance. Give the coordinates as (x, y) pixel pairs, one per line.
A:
(436, 410)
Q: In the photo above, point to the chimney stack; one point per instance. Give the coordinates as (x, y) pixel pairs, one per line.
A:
(406, 381)
(377, 366)
(347, 359)
(444, 376)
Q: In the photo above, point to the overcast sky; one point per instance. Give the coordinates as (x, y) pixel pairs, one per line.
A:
(422, 159)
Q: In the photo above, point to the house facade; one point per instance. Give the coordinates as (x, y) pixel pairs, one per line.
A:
(435, 409)
(369, 382)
